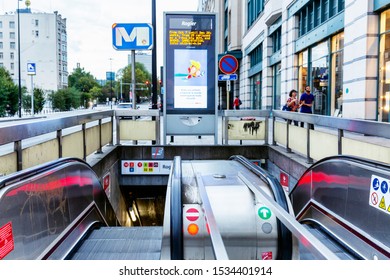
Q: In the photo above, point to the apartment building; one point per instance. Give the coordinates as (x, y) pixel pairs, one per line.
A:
(43, 42)
(338, 47)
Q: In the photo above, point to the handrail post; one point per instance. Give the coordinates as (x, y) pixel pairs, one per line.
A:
(340, 141)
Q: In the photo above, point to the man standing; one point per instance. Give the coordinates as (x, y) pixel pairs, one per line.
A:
(306, 103)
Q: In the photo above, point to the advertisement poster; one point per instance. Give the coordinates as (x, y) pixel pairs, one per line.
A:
(190, 79)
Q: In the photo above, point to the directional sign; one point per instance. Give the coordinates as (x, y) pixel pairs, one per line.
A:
(232, 77)
(264, 213)
(132, 36)
(228, 64)
(31, 69)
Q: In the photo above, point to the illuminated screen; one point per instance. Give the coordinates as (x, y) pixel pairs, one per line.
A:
(190, 64)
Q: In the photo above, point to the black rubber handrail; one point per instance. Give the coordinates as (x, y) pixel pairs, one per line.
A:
(32, 171)
(284, 236)
(176, 212)
(355, 159)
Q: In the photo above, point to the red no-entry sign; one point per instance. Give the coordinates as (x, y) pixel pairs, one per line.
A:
(192, 214)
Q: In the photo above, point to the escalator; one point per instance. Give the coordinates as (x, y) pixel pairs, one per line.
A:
(346, 199)
(214, 209)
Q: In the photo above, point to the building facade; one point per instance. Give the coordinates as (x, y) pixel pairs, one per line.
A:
(43, 41)
(338, 47)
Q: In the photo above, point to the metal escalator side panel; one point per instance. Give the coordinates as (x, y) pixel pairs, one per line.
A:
(343, 188)
(43, 204)
(235, 209)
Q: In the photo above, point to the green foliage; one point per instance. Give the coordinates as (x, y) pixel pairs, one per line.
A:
(142, 76)
(39, 100)
(8, 94)
(81, 80)
(65, 99)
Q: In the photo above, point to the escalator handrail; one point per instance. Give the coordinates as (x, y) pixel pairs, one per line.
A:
(285, 239)
(349, 158)
(29, 172)
(176, 223)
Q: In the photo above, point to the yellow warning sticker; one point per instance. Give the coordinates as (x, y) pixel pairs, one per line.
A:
(382, 204)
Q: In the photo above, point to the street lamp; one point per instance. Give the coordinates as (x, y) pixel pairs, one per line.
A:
(20, 81)
(111, 81)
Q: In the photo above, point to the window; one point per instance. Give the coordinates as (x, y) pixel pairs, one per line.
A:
(12, 45)
(12, 35)
(255, 85)
(277, 40)
(1, 35)
(256, 56)
(384, 66)
(1, 45)
(255, 8)
(303, 65)
(12, 55)
(12, 66)
(316, 12)
(1, 24)
(1, 55)
(337, 74)
(11, 24)
(36, 23)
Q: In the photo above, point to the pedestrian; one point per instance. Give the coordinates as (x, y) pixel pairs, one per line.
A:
(306, 103)
(236, 103)
(292, 103)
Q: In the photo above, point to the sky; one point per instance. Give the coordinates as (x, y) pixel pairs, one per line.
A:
(89, 27)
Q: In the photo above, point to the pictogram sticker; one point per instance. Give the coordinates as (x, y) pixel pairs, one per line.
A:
(382, 204)
(379, 193)
(6, 240)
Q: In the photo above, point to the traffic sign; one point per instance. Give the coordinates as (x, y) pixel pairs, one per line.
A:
(228, 64)
(231, 77)
(132, 36)
(192, 214)
(31, 69)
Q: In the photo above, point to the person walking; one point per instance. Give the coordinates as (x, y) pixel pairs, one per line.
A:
(306, 103)
(236, 103)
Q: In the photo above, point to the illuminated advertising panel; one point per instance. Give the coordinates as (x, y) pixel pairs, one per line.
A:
(190, 63)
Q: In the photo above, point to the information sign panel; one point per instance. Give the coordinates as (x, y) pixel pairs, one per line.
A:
(190, 54)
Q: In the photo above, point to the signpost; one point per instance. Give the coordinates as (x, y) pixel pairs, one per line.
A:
(132, 36)
(228, 65)
(32, 70)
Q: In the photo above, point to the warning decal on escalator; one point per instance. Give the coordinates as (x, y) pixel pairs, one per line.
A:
(6, 240)
(380, 193)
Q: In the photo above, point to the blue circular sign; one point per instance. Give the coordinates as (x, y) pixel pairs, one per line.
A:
(375, 184)
(384, 187)
(228, 64)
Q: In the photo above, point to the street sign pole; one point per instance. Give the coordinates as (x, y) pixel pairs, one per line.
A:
(32, 95)
(133, 77)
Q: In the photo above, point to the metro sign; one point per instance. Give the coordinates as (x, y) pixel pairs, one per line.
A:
(132, 36)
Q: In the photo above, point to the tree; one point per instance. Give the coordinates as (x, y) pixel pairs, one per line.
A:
(81, 80)
(8, 94)
(65, 99)
(39, 100)
(141, 77)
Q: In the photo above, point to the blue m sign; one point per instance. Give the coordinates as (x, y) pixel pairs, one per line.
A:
(132, 36)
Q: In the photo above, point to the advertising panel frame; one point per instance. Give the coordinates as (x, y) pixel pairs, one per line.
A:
(190, 74)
